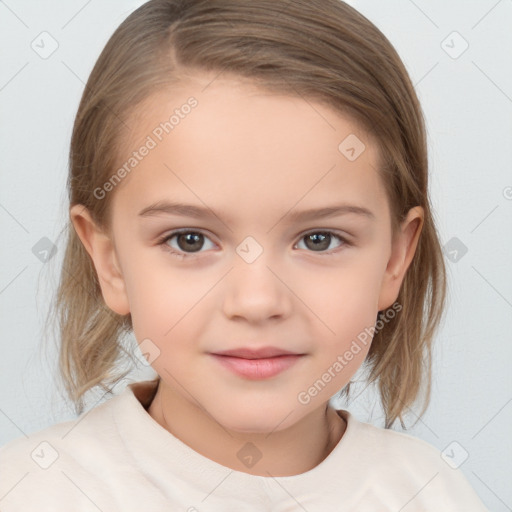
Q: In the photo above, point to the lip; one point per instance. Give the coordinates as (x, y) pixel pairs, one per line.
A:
(259, 353)
(258, 368)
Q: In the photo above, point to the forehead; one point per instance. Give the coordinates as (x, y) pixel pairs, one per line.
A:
(242, 147)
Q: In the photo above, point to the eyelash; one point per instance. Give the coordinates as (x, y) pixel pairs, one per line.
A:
(182, 255)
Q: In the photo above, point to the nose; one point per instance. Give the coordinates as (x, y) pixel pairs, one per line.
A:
(256, 292)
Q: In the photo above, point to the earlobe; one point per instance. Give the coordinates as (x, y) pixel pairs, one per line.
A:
(403, 249)
(102, 251)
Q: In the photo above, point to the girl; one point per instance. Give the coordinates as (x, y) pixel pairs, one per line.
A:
(249, 197)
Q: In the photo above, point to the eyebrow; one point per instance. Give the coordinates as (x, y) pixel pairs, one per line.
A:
(199, 212)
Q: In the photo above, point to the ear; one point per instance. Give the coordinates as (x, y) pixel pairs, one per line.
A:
(403, 249)
(102, 251)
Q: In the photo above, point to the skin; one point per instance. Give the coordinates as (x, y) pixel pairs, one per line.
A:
(251, 157)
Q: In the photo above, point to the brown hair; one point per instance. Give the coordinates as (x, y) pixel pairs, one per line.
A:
(322, 49)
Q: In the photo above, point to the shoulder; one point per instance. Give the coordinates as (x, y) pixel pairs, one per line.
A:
(420, 476)
(60, 439)
(402, 447)
(46, 463)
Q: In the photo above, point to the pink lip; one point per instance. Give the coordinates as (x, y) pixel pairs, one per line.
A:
(251, 353)
(258, 369)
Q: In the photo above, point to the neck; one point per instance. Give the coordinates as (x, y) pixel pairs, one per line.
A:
(287, 452)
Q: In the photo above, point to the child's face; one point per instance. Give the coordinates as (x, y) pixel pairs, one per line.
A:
(254, 160)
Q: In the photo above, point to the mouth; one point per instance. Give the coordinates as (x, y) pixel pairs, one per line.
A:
(257, 364)
(261, 353)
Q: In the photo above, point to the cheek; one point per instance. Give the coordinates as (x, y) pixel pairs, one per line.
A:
(347, 296)
(154, 298)
(345, 302)
(166, 307)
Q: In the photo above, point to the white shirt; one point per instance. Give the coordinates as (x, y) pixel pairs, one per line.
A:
(116, 457)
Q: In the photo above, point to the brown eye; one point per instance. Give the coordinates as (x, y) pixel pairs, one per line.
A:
(183, 242)
(320, 241)
(190, 241)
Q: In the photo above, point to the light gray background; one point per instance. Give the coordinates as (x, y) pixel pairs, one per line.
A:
(467, 100)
